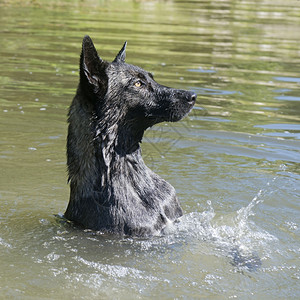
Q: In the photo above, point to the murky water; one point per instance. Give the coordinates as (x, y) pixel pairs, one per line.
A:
(235, 161)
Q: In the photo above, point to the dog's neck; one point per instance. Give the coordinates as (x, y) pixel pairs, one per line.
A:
(118, 139)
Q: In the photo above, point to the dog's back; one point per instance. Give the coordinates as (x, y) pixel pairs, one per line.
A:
(112, 190)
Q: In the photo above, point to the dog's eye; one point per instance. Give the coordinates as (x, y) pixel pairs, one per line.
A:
(138, 84)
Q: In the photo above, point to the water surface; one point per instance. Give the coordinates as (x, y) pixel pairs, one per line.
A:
(234, 161)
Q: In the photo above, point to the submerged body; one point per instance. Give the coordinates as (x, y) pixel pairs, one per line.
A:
(111, 188)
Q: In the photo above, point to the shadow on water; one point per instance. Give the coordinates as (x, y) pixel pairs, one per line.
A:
(249, 261)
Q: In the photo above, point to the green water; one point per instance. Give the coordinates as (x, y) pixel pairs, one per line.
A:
(235, 161)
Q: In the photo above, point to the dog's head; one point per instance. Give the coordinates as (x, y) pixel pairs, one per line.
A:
(130, 88)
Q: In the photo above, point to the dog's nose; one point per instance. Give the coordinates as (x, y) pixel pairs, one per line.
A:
(193, 97)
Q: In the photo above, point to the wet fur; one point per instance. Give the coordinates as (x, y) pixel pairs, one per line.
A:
(111, 188)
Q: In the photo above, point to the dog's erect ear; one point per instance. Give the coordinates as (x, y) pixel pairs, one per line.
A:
(92, 67)
(122, 54)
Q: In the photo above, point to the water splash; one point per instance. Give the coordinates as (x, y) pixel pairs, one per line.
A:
(234, 235)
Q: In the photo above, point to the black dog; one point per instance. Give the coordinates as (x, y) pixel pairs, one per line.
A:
(112, 190)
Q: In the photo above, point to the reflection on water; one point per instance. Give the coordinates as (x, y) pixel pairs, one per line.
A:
(234, 161)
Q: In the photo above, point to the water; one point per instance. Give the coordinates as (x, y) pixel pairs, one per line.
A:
(234, 161)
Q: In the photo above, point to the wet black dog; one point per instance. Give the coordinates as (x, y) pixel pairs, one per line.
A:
(112, 190)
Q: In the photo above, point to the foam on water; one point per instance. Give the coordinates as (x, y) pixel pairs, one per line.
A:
(4, 244)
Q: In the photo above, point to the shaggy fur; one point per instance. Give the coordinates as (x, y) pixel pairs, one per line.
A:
(112, 190)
